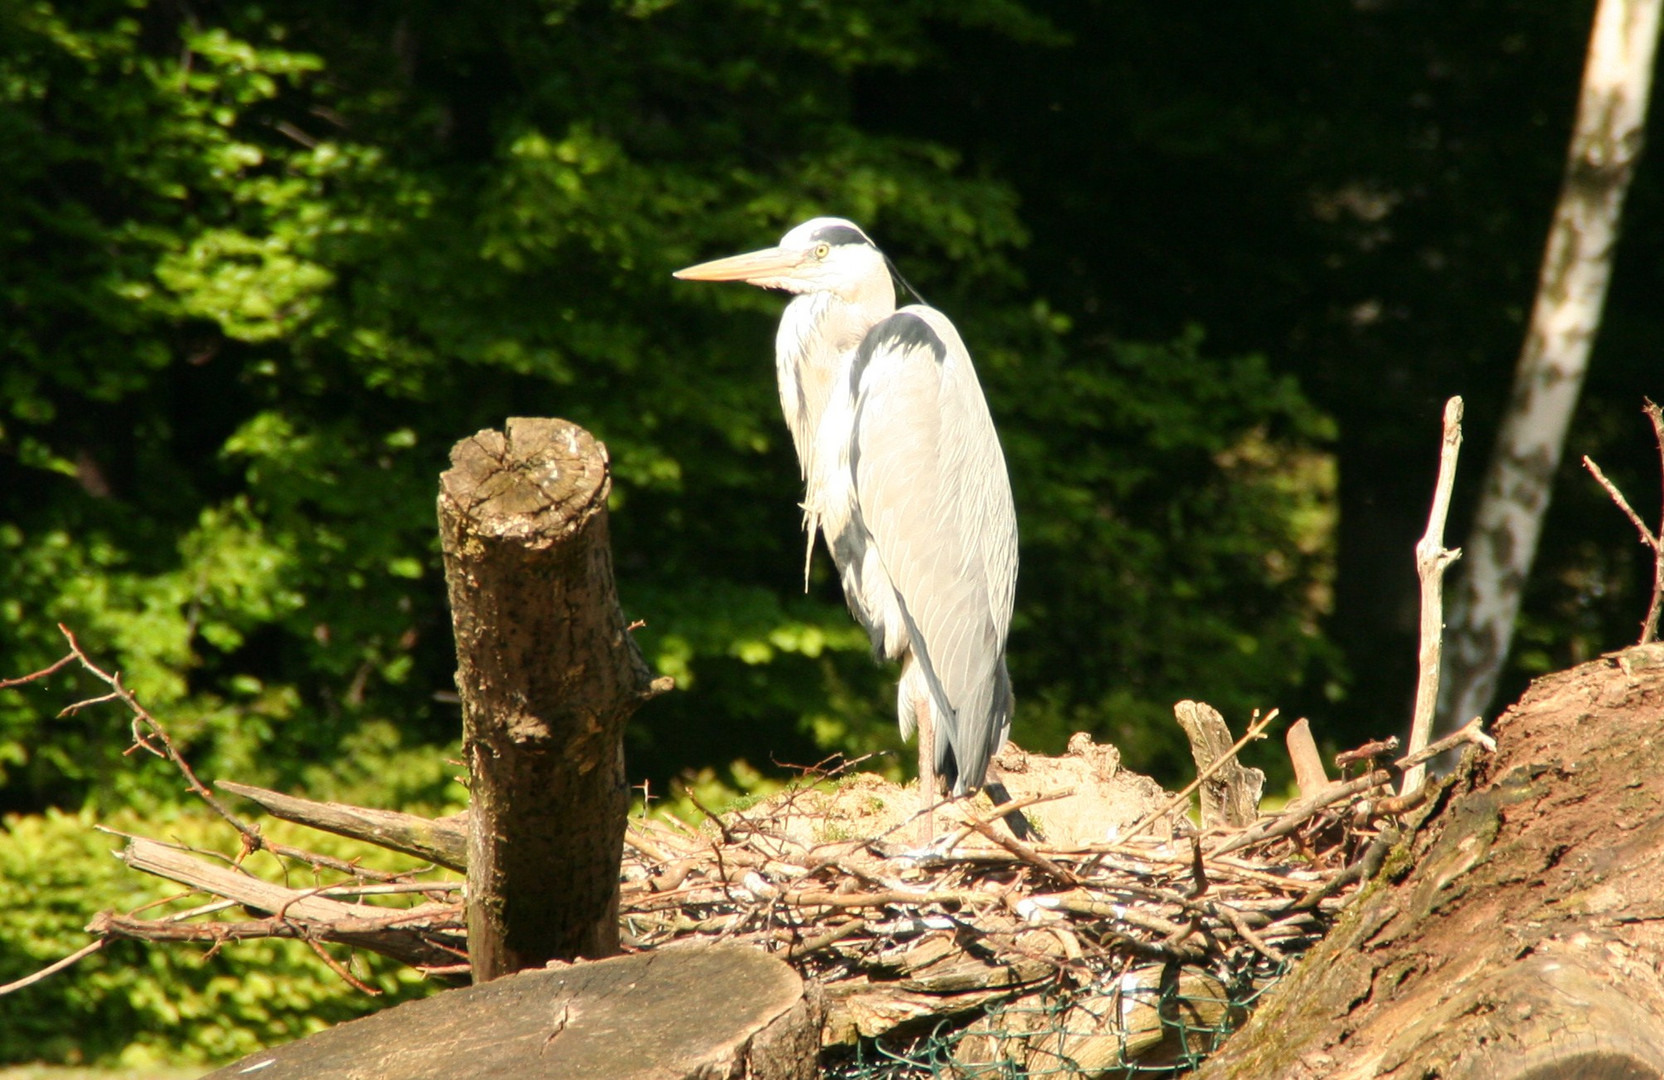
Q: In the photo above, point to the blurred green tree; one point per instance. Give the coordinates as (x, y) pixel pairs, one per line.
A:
(266, 263)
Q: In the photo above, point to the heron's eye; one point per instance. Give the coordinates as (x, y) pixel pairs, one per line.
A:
(822, 250)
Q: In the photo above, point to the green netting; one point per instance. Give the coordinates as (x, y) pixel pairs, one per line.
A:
(1123, 1025)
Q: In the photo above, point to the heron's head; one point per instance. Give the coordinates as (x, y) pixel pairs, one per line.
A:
(824, 254)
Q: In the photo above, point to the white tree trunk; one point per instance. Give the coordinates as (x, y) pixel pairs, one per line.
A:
(1571, 289)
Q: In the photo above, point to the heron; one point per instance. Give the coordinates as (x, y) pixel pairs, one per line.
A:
(906, 481)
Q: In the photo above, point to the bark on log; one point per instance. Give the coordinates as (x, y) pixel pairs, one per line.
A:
(722, 1011)
(1519, 931)
(548, 676)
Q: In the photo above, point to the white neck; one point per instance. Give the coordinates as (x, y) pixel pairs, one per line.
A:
(819, 333)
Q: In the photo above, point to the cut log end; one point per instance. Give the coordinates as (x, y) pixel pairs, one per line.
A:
(541, 478)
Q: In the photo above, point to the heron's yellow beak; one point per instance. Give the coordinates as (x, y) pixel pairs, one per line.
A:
(756, 267)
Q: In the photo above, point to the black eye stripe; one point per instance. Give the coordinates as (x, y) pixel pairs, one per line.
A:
(841, 234)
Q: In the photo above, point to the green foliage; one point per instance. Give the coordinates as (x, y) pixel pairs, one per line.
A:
(1219, 583)
(134, 1004)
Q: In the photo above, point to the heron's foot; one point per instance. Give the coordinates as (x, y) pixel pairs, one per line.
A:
(932, 852)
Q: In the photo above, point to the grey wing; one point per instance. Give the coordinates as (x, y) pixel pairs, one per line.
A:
(931, 489)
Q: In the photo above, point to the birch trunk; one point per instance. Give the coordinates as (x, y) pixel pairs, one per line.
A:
(1571, 290)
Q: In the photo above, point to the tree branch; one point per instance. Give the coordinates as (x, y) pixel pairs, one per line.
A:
(1432, 560)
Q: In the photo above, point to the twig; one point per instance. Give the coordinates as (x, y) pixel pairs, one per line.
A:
(1649, 631)
(1299, 812)
(1240, 925)
(887, 899)
(1369, 751)
(1472, 732)
(41, 674)
(252, 840)
(1364, 868)
(832, 936)
(340, 969)
(1025, 853)
(1394, 805)
(977, 822)
(1653, 540)
(1432, 559)
(53, 968)
(1647, 536)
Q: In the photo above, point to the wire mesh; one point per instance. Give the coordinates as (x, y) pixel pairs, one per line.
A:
(1155, 1021)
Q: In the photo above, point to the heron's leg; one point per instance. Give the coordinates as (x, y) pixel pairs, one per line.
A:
(1014, 820)
(927, 764)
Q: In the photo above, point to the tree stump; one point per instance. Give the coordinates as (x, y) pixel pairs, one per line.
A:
(1518, 931)
(548, 676)
(720, 1011)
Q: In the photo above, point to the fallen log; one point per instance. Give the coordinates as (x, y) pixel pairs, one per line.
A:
(679, 1013)
(1521, 931)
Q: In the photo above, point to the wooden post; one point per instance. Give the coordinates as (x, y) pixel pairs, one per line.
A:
(548, 676)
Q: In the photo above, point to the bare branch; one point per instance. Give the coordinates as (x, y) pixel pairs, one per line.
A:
(50, 669)
(1647, 536)
(144, 723)
(1653, 540)
(444, 841)
(1432, 559)
(53, 968)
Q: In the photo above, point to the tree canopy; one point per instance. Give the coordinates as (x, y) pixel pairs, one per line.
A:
(262, 263)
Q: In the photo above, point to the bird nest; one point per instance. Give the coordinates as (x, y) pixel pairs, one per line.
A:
(1124, 938)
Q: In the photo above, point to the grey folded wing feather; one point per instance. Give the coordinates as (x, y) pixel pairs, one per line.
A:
(931, 488)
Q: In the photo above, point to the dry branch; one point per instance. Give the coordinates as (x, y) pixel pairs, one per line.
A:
(443, 841)
(1309, 774)
(403, 935)
(1432, 560)
(1653, 540)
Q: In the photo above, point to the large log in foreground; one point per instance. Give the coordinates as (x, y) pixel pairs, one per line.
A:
(1521, 935)
(548, 676)
(680, 1013)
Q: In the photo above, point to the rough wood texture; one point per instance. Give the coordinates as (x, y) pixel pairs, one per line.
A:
(444, 841)
(305, 914)
(1231, 796)
(1519, 931)
(716, 1012)
(548, 676)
